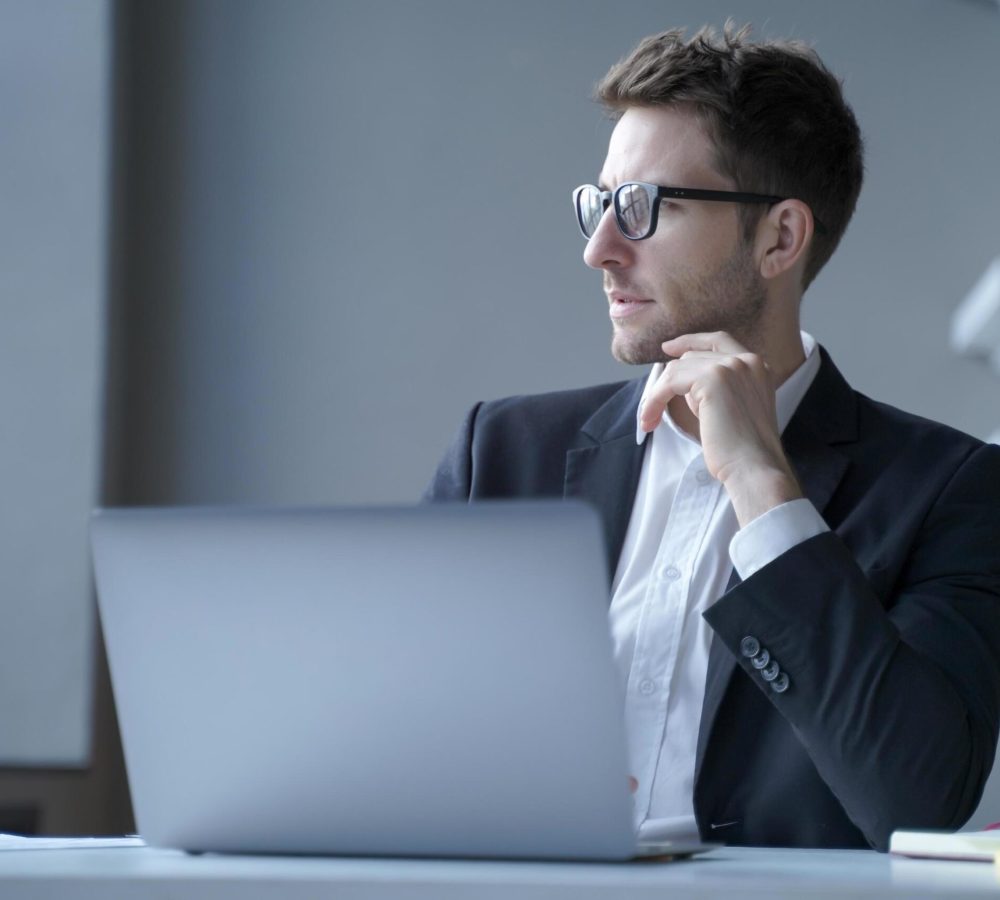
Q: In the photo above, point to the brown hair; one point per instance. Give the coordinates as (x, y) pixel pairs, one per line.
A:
(776, 114)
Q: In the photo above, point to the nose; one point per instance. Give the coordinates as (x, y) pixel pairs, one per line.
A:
(608, 247)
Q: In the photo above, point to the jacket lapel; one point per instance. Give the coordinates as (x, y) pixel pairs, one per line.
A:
(826, 416)
(605, 469)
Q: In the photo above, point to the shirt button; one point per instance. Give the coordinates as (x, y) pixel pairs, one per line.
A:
(672, 573)
(647, 686)
(749, 646)
(761, 659)
(780, 684)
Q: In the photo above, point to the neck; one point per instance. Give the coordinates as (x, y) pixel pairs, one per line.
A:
(784, 356)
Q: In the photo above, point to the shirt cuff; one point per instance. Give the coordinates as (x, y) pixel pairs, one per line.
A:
(774, 533)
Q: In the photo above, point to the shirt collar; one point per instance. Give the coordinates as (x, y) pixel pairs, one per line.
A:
(786, 399)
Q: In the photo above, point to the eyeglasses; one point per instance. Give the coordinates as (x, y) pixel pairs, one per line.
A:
(637, 205)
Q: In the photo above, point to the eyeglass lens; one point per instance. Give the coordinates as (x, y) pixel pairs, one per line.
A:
(632, 209)
(591, 208)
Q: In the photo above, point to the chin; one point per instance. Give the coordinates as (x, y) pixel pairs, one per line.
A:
(636, 350)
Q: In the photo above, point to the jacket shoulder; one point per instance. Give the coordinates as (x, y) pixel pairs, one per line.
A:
(563, 411)
(898, 428)
(516, 446)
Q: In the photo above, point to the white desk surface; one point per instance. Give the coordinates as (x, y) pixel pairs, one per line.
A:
(111, 874)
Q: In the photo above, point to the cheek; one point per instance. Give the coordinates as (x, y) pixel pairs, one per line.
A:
(679, 248)
(674, 274)
(694, 262)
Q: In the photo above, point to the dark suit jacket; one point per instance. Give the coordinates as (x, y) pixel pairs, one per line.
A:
(888, 627)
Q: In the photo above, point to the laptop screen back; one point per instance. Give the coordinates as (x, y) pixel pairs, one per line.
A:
(423, 681)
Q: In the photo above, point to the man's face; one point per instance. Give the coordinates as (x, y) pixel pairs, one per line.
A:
(695, 273)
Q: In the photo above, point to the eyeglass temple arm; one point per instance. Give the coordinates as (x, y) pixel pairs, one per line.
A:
(727, 196)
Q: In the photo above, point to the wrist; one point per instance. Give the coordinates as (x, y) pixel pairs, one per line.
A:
(753, 490)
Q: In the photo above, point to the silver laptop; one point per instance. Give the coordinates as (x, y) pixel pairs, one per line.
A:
(431, 681)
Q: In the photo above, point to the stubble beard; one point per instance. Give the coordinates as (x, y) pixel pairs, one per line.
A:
(730, 299)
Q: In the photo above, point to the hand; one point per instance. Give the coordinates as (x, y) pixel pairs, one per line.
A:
(731, 393)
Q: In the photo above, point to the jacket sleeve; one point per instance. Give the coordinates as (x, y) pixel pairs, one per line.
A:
(896, 698)
(453, 478)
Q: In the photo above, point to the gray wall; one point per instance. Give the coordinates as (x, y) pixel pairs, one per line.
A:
(350, 220)
(53, 144)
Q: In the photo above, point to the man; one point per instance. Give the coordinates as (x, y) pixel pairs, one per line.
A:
(806, 592)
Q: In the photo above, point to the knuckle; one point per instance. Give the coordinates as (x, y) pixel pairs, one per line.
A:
(717, 374)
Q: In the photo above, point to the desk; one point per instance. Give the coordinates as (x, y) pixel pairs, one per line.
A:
(116, 874)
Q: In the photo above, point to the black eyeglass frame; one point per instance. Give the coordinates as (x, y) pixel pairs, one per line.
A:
(657, 192)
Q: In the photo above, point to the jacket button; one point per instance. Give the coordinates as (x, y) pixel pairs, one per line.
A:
(761, 659)
(780, 684)
(770, 671)
(749, 646)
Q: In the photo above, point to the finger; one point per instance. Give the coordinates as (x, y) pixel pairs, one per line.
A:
(751, 359)
(716, 341)
(654, 404)
(675, 380)
(703, 354)
(755, 363)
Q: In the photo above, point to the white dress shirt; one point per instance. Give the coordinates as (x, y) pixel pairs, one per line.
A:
(679, 552)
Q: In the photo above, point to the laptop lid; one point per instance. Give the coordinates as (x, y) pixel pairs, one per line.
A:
(422, 681)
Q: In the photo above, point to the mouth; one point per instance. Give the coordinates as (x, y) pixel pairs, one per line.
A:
(623, 305)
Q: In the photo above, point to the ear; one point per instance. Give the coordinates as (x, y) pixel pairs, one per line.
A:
(784, 237)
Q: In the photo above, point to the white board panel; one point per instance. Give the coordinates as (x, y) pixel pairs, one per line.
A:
(54, 60)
